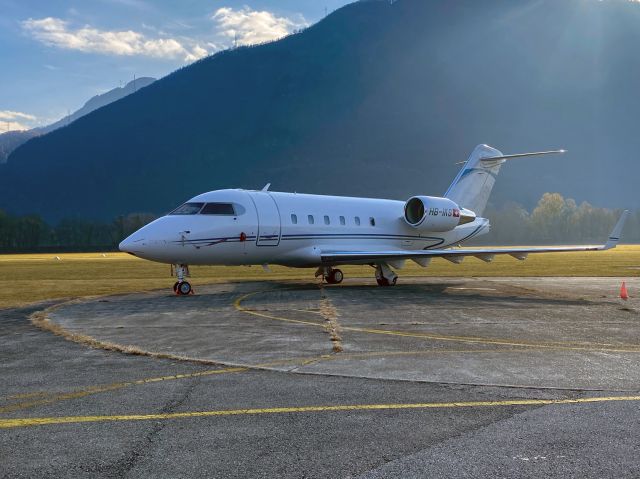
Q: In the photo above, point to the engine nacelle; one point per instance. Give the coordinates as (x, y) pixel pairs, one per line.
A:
(430, 213)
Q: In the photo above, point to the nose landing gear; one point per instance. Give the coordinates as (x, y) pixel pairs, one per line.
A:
(181, 287)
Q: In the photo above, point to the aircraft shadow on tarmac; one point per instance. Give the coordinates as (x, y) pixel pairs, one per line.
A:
(451, 293)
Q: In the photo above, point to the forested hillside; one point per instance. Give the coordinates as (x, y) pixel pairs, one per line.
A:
(11, 140)
(379, 99)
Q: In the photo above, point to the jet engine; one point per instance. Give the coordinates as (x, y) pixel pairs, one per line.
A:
(430, 213)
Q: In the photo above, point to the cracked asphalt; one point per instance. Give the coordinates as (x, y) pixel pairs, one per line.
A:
(68, 410)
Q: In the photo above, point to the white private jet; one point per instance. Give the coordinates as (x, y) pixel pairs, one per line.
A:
(239, 227)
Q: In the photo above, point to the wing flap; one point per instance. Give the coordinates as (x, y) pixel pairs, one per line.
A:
(422, 257)
(453, 255)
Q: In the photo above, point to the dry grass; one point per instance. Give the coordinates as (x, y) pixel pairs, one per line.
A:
(40, 319)
(330, 315)
(30, 278)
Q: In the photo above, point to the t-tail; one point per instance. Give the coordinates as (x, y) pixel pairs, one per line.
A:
(472, 186)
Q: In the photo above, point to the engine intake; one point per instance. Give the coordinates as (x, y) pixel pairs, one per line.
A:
(431, 213)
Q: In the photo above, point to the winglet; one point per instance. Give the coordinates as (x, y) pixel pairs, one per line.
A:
(614, 237)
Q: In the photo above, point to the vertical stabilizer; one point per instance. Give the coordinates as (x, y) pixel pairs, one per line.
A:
(473, 185)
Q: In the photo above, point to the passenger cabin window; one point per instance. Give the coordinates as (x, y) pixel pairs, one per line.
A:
(218, 209)
(357, 220)
(372, 221)
(342, 221)
(294, 219)
(311, 220)
(187, 209)
(326, 220)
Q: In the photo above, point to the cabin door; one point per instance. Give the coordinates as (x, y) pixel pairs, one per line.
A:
(268, 219)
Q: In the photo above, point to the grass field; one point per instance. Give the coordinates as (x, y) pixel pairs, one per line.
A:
(29, 278)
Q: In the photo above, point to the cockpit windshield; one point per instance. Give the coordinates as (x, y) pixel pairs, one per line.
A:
(218, 209)
(188, 209)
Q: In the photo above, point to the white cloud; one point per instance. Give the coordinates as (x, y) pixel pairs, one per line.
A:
(13, 126)
(246, 25)
(8, 115)
(15, 120)
(197, 52)
(57, 33)
(252, 26)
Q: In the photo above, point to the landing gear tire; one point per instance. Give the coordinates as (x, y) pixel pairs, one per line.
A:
(184, 289)
(386, 282)
(335, 277)
(181, 287)
(385, 275)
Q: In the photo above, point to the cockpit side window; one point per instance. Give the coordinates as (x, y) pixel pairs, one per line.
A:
(187, 209)
(218, 209)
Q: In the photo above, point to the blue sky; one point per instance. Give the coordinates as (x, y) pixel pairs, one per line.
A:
(56, 54)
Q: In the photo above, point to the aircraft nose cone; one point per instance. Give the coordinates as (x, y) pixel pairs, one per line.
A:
(123, 246)
(130, 245)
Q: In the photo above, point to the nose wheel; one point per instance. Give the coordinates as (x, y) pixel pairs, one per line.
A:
(181, 287)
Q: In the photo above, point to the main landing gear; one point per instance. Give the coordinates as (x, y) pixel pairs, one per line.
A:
(385, 275)
(330, 275)
(181, 287)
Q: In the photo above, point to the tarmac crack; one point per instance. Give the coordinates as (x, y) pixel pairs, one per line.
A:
(465, 433)
(140, 451)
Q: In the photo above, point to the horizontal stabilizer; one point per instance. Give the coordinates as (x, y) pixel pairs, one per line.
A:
(522, 155)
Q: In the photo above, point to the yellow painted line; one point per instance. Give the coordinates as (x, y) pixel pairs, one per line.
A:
(113, 387)
(27, 395)
(52, 397)
(42, 421)
(365, 355)
(600, 347)
(307, 311)
(238, 305)
(502, 342)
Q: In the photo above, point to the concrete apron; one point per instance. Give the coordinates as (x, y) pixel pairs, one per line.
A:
(568, 333)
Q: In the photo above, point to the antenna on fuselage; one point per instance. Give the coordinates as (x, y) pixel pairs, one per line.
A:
(266, 187)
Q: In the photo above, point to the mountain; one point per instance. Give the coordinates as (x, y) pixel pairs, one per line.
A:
(380, 98)
(11, 140)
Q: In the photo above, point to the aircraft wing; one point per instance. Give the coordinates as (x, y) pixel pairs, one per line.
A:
(458, 254)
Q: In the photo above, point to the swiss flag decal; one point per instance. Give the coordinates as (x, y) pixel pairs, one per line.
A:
(456, 213)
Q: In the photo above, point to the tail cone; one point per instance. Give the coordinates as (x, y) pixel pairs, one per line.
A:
(623, 292)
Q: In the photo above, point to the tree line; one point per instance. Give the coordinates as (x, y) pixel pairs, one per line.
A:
(30, 233)
(556, 220)
(553, 220)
